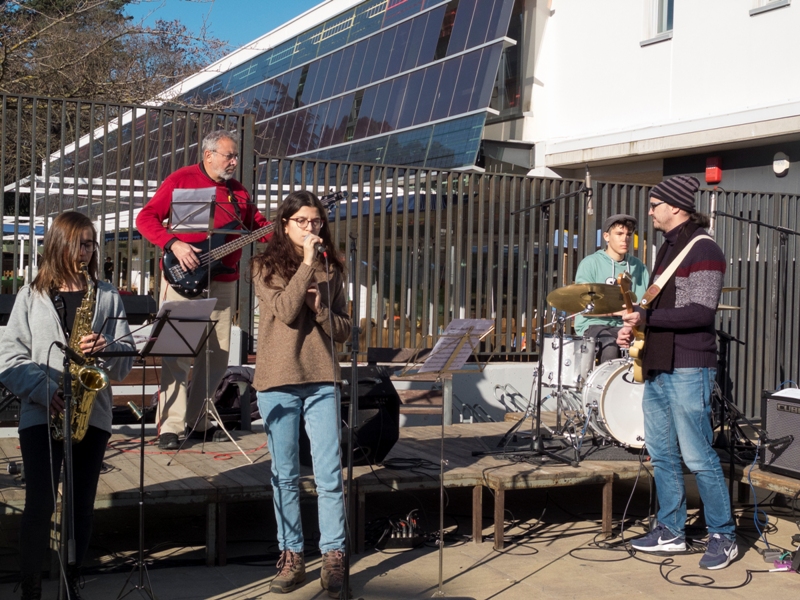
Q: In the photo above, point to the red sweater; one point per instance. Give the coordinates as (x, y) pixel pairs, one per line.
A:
(150, 221)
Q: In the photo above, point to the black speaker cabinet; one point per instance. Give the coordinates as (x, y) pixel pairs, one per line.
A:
(378, 420)
(780, 417)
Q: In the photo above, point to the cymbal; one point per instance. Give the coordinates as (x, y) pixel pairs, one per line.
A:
(576, 297)
(726, 307)
(725, 290)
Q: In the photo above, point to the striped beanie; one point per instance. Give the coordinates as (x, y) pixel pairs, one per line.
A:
(677, 191)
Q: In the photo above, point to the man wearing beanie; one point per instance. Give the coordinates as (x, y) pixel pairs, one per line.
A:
(679, 363)
(603, 267)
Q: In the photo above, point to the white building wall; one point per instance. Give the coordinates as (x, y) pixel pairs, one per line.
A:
(594, 84)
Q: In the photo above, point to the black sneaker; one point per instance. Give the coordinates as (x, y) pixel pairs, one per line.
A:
(212, 434)
(74, 582)
(719, 552)
(168, 441)
(660, 539)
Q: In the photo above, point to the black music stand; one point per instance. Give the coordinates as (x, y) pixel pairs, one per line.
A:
(170, 336)
(457, 343)
(194, 211)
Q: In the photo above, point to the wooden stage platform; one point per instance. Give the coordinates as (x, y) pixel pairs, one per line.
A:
(222, 476)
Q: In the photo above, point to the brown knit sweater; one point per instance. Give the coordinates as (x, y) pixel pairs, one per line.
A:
(294, 344)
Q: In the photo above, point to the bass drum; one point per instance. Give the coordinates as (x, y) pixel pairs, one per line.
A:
(618, 401)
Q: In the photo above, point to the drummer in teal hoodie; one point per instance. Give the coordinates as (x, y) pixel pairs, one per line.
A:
(603, 267)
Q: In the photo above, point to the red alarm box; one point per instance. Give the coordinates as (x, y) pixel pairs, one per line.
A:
(713, 169)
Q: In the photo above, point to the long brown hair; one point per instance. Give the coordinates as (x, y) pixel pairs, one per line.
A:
(280, 256)
(62, 250)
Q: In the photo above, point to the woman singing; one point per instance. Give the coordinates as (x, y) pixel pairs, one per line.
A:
(32, 369)
(302, 313)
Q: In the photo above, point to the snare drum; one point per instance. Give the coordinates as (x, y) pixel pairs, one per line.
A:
(577, 360)
(618, 400)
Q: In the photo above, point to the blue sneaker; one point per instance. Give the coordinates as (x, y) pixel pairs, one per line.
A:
(660, 539)
(719, 552)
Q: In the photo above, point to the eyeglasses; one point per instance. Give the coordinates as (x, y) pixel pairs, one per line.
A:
(228, 157)
(89, 246)
(302, 222)
(655, 205)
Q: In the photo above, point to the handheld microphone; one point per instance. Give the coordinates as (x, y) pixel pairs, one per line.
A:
(589, 192)
(783, 441)
(71, 354)
(319, 246)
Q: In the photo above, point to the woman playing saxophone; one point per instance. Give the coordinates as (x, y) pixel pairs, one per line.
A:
(32, 368)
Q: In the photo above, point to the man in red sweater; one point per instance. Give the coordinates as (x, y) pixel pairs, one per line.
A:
(177, 409)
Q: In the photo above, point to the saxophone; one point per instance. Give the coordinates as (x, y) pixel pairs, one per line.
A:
(87, 379)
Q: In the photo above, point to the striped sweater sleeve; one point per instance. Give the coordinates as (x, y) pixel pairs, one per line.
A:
(698, 284)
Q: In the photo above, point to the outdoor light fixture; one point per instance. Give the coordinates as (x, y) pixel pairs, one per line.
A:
(780, 164)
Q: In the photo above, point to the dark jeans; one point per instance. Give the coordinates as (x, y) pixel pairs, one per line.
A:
(606, 345)
(39, 477)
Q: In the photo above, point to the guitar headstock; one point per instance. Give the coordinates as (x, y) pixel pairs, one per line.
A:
(624, 283)
(329, 199)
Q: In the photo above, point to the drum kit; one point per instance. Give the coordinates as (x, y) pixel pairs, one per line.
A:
(603, 398)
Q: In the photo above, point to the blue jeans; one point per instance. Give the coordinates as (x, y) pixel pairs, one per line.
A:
(677, 421)
(281, 408)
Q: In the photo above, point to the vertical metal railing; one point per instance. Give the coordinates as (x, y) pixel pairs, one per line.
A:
(432, 245)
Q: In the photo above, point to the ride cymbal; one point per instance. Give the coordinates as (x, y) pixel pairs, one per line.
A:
(576, 297)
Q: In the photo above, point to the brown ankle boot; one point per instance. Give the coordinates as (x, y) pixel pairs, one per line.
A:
(332, 572)
(291, 572)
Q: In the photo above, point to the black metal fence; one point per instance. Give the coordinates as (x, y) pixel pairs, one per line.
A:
(431, 246)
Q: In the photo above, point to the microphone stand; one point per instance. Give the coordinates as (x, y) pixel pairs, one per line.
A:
(67, 506)
(538, 449)
(350, 504)
(783, 277)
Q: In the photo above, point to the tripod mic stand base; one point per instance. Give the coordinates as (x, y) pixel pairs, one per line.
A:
(145, 589)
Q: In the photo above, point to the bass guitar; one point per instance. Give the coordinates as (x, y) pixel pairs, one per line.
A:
(191, 284)
(637, 347)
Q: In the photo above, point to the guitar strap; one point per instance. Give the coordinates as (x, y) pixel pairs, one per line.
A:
(655, 289)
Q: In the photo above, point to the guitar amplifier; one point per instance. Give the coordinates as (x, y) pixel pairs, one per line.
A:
(780, 417)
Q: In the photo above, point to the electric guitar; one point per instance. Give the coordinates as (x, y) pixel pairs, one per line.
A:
(635, 351)
(191, 284)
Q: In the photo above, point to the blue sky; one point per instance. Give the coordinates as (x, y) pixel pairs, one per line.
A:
(235, 21)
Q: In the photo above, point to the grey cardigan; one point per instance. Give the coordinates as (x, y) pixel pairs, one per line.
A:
(31, 367)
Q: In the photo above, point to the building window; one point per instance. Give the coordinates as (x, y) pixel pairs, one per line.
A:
(664, 15)
(658, 21)
(762, 6)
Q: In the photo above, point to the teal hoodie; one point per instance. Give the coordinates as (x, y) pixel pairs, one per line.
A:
(601, 268)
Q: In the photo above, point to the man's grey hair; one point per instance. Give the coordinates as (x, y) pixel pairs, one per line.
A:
(212, 139)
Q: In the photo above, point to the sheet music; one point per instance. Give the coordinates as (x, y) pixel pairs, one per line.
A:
(191, 209)
(182, 313)
(448, 342)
